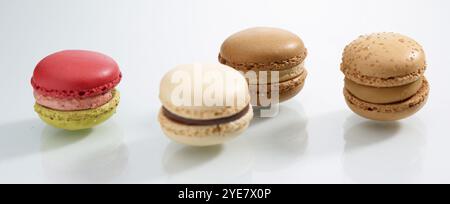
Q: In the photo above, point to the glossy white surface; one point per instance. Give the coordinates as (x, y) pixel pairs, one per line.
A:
(315, 139)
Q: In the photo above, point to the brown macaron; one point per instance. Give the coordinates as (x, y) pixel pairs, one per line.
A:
(385, 76)
(263, 51)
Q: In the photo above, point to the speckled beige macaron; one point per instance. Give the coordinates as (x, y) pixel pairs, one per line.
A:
(204, 104)
(384, 76)
(266, 50)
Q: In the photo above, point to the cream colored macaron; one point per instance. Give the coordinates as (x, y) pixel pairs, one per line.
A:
(204, 104)
(385, 76)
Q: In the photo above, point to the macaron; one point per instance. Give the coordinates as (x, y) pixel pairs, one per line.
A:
(75, 89)
(264, 50)
(384, 76)
(204, 104)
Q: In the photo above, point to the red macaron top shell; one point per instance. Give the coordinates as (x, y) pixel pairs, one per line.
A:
(75, 74)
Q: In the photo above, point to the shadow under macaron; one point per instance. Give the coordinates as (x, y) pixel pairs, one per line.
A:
(359, 132)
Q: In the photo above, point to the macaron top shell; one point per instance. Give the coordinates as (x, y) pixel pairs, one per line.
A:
(384, 60)
(76, 74)
(263, 48)
(204, 91)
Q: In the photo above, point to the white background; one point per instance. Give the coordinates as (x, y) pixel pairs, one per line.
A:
(315, 139)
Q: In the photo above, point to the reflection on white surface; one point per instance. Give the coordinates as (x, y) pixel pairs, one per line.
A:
(181, 159)
(326, 134)
(280, 141)
(220, 164)
(335, 147)
(90, 156)
(263, 148)
(383, 152)
(19, 139)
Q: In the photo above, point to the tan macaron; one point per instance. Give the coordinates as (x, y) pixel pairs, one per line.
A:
(384, 76)
(204, 104)
(264, 50)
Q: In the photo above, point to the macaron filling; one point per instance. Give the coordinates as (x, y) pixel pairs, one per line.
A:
(417, 100)
(193, 122)
(383, 95)
(72, 104)
(283, 75)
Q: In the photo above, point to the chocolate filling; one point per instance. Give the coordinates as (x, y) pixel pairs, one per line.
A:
(193, 122)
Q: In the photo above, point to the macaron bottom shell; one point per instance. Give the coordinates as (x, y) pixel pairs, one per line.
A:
(389, 112)
(289, 89)
(78, 120)
(202, 136)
